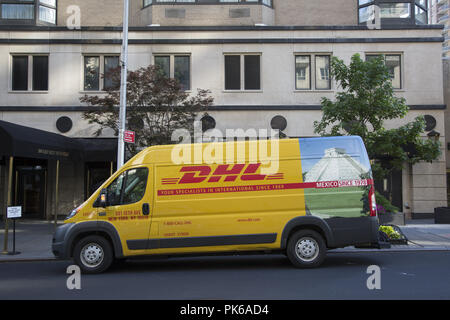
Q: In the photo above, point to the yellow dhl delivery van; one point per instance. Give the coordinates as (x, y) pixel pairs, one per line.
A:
(314, 194)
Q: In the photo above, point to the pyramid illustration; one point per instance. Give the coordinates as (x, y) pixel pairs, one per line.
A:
(334, 166)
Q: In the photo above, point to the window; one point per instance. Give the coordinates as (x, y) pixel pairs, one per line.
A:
(177, 67)
(17, 11)
(182, 71)
(163, 62)
(394, 12)
(91, 73)
(128, 188)
(243, 72)
(393, 62)
(232, 72)
(94, 67)
(26, 10)
(303, 72)
(20, 73)
(135, 185)
(305, 65)
(111, 75)
(25, 78)
(40, 73)
(323, 80)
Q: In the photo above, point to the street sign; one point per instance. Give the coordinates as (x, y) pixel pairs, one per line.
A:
(129, 136)
(14, 212)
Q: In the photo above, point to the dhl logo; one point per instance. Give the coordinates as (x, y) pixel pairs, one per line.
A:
(226, 173)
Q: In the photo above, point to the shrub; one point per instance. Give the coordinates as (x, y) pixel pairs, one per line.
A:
(390, 232)
(385, 204)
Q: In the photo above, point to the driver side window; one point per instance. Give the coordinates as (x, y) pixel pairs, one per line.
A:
(128, 188)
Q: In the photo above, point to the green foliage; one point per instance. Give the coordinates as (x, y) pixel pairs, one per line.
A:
(390, 232)
(385, 203)
(367, 100)
(156, 107)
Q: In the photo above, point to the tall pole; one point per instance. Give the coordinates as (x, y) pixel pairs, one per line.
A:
(56, 194)
(9, 203)
(123, 88)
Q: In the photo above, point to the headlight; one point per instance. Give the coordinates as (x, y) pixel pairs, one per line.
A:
(73, 213)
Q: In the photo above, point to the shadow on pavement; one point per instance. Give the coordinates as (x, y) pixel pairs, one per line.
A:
(257, 262)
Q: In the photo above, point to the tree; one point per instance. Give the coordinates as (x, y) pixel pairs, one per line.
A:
(367, 100)
(156, 107)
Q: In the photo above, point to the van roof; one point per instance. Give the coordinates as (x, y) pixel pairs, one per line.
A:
(163, 154)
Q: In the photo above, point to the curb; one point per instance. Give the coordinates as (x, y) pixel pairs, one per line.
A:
(31, 259)
(415, 249)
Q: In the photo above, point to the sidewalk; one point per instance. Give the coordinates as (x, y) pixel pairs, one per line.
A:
(422, 235)
(34, 239)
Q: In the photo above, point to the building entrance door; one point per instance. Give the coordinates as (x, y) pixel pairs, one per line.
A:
(30, 191)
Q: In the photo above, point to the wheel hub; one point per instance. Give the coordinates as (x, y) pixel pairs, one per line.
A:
(307, 249)
(92, 255)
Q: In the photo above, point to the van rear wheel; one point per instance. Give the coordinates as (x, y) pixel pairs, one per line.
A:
(306, 249)
(93, 254)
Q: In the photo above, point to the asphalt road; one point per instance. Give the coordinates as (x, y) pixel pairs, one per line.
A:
(405, 275)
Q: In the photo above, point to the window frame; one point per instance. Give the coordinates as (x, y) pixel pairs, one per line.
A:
(313, 71)
(242, 71)
(384, 54)
(390, 21)
(30, 73)
(172, 64)
(101, 56)
(124, 183)
(35, 20)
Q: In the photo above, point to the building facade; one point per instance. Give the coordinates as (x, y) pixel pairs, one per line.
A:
(439, 14)
(265, 62)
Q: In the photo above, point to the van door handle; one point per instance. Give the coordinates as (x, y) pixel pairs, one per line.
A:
(145, 209)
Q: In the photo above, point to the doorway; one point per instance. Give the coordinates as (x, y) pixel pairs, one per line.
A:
(30, 191)
(96, 174)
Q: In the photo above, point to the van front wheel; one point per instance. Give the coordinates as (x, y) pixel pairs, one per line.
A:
(306, 249)
(93, 254)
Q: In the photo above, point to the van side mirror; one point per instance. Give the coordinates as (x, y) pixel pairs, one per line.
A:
(103, 198)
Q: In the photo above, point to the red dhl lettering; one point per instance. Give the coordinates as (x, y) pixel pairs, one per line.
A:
(225, 173)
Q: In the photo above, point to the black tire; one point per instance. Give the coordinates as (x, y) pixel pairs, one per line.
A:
(312, 252)
(93, 254)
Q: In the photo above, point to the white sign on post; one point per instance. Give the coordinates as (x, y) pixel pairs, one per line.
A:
(14, 212)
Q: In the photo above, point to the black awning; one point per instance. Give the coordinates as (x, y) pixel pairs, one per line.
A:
(20, 141)
(99, 149)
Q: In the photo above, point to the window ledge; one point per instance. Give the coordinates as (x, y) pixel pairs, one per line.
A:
(314, 91)
(242, 91)
(92, 92)
(27, 92)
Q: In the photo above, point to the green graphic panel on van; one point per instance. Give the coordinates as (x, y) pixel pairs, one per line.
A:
(340, 169)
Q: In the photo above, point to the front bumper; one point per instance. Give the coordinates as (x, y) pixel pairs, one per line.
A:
(59, 242)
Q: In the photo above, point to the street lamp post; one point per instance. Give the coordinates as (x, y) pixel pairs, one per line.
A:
(123, 88)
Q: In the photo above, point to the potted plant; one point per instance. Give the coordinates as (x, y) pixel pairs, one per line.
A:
(387, 213)
(393, 234)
